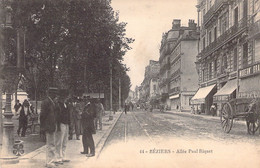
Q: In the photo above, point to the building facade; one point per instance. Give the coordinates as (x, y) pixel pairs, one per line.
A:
(228, 57)
(149, 86)
(178, 82)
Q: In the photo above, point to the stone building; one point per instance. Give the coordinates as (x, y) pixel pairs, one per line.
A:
(228, 59)
(178, 82)
(150, 82)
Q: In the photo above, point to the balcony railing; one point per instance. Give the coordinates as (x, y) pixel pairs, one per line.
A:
(164, 81)
(221, 40)
(174, 90)
(165, 67)
(212, 11)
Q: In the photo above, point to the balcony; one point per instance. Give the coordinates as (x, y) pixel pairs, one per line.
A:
(224, 38)
(213, 10)
(254, 30)
(164, 68)
(174, 90)
(164, 81)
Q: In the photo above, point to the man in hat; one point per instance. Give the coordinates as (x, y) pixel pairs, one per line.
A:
(87, 122)
(48, 124)
(62, 132)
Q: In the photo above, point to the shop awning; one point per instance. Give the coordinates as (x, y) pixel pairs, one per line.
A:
(174, 96)
(224, 93)
(227, 89)
(201, 94)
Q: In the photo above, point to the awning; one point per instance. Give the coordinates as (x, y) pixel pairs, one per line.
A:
(201, 94)
(174, 96)
(228, 88)
(225, 91)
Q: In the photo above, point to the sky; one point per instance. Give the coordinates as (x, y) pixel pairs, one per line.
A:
(146, 21)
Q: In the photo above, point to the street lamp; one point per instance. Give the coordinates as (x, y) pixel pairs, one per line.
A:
(9, 85)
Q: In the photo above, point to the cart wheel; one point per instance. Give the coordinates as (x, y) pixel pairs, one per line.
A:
(226, 117)
(252, 122)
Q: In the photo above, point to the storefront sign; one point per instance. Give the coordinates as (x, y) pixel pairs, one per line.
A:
(252, 94)
(250, 70)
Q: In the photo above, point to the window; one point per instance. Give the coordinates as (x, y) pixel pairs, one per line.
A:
(245, 55)
(215, 66)
(224, 23)
(215, 33)
(203, 43)
(203, 75)
(257, 50)
(210, 37)
(224, 64)
(236, 16)
(210, 70)
(245, 9)
(235, 59)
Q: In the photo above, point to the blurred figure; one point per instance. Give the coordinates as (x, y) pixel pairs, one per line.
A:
(17, 106)
(24, 113)
(62, 132)
(75, 118)
(48, 123)
(87, 122)
(100, 111)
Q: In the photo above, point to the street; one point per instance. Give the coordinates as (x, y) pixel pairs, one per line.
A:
(155, 139)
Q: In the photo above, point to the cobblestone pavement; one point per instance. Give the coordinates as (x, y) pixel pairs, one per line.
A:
(176, 139)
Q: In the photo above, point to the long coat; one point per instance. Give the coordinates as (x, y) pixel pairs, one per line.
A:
(87, 118)
(48, 116)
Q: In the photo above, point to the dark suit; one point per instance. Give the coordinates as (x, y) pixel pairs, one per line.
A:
(48, 114)
(88, 126)
(48, 122)
(23, 120)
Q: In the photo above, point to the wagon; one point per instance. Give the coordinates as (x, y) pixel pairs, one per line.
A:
(245, 108)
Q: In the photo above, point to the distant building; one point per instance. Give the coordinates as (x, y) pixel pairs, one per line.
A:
(178, 77)
(149, 86)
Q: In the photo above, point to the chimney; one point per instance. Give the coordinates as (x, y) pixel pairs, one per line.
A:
(192, 24)
(176, 23)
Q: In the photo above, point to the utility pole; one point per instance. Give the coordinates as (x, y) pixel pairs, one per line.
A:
(119, 97)
(111, 92)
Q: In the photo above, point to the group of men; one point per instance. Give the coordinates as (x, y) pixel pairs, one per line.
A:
(61, 116)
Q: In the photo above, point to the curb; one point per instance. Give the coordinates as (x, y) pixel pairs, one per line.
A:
(104, 138)
(43, 148)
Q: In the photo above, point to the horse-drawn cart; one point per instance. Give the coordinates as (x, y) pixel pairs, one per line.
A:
(247, 108)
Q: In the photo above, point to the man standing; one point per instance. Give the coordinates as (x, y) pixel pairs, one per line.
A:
(48, 122)
(87, 121)
(75, 116)
(23, 118)
(17, 106)
(100, 112)
(62, 133)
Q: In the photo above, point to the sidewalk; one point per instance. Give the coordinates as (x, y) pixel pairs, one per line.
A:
(74, 147)
(204, 116)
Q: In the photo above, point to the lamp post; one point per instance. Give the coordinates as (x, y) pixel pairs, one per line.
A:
(9, 85)
(111, 92)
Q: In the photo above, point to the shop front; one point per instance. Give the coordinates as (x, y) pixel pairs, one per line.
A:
(203, 99)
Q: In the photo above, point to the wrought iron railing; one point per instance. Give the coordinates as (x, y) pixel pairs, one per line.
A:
(222, 39)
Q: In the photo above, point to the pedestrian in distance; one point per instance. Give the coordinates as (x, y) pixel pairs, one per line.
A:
(100, 111)
(125, 108)
(48, 124)
(62, 131)
(17, 106)
(24, 114)
(87, 121)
